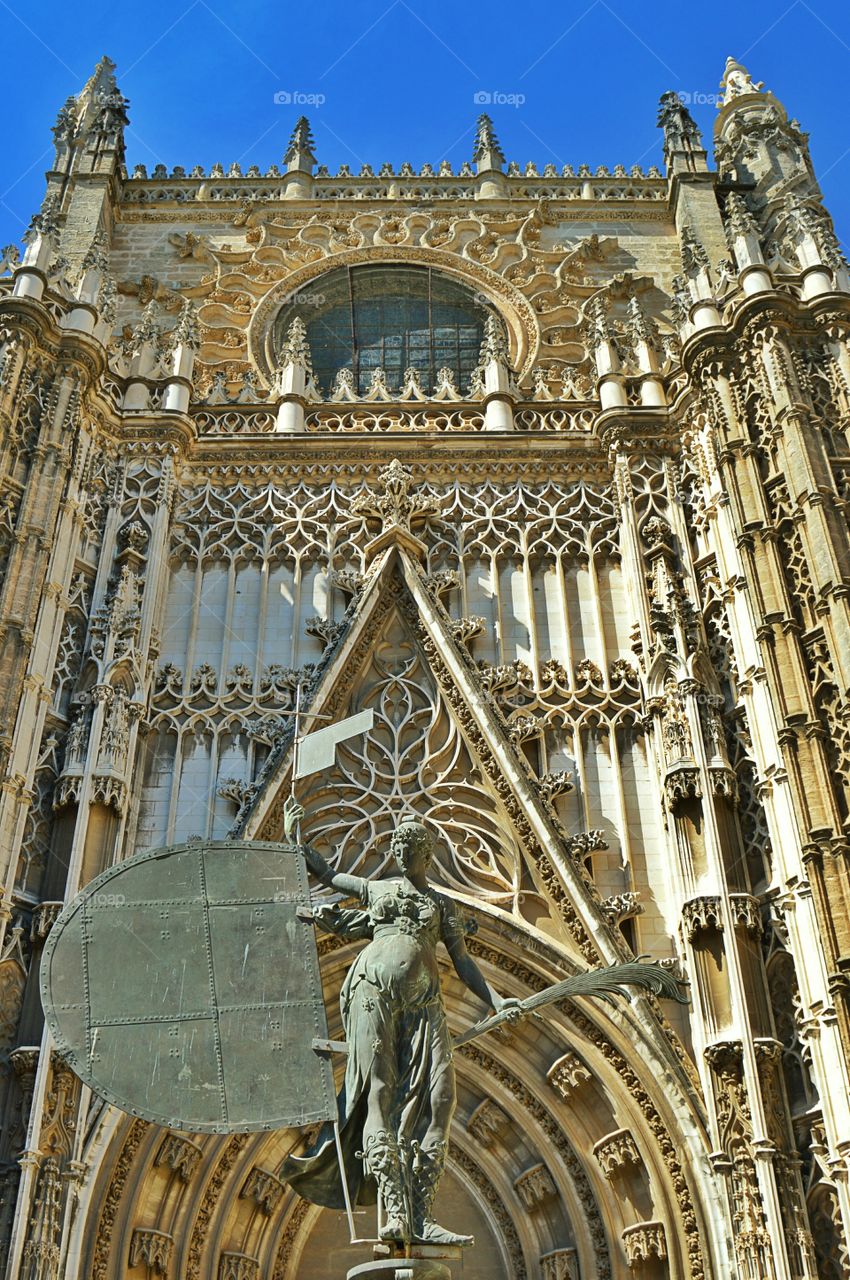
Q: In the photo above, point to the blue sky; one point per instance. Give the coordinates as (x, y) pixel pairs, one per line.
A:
(401, 79)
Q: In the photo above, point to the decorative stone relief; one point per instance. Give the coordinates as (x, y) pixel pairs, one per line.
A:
(644, 1242)
(238, 1266)
(567, 1075)
(152, 1249)
(180, 1154)
(702, 915)
(43, 919)
(487, 1122)
(560, 1264)
(535, 1186)
(622, 906)
(264, 1188)
(616, 1152)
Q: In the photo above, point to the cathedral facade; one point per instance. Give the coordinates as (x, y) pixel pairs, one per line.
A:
(549, 470)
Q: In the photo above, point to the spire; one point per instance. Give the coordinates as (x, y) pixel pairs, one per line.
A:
(295, 348)
(495, 343)
(737, 81)
(487, 152)
(299, 154)
(186, 332)
(683, 149)
(98, 114)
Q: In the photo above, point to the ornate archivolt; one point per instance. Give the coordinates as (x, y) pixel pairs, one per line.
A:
(202, 1203)
(535, 282)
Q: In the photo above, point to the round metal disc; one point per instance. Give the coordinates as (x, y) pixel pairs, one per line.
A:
(182, 987)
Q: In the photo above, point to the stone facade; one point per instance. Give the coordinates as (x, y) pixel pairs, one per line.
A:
(597, 594)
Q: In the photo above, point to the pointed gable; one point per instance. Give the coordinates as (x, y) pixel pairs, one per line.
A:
(440, 748)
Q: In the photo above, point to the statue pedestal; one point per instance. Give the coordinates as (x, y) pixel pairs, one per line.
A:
(423, 1262)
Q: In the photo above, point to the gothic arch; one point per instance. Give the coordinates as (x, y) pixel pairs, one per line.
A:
(570, 1130)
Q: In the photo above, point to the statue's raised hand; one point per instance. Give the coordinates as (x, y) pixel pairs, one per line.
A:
(509, 1008)
(293, 812)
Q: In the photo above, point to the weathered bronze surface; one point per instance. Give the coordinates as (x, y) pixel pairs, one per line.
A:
(182, 987)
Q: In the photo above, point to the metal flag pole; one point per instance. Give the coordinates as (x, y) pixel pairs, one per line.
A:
(295, 746)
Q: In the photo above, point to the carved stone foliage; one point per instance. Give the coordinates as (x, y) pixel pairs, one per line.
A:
(112, 1200)
(212, 1193)
(541, 283)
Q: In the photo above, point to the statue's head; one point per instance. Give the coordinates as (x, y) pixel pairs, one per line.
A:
(412, 846)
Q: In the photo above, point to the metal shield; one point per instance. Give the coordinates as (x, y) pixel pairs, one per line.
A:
(182, 987)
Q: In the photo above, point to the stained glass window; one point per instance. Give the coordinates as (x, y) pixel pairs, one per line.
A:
(390, 317)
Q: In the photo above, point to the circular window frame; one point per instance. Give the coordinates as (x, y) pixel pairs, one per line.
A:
(516, 312)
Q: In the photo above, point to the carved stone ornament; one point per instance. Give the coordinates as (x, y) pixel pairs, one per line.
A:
(560, 1264)
(264, 1188)
(180, 1154)
(567, 1075)
(616, 1152)
(535, 1186)
(238, 1266)
(702, 915)
(643, 1243)
(487, 1122)
(152, 1249)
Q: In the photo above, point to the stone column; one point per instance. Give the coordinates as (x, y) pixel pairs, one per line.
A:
(497, 378)
(602, 344)
(293, 373)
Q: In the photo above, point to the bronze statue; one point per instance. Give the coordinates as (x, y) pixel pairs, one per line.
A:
(396, 1106)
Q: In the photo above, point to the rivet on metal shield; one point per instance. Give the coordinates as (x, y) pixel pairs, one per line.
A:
(182, 987)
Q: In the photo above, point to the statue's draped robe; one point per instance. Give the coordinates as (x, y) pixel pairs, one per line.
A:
(395, 1026)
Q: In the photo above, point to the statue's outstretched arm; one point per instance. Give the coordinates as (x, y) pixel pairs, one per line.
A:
(467, 970)
(350, 886)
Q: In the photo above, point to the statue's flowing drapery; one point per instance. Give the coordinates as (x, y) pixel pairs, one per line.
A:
(395, 1026)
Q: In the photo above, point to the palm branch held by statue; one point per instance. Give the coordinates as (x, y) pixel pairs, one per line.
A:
(605, 983)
